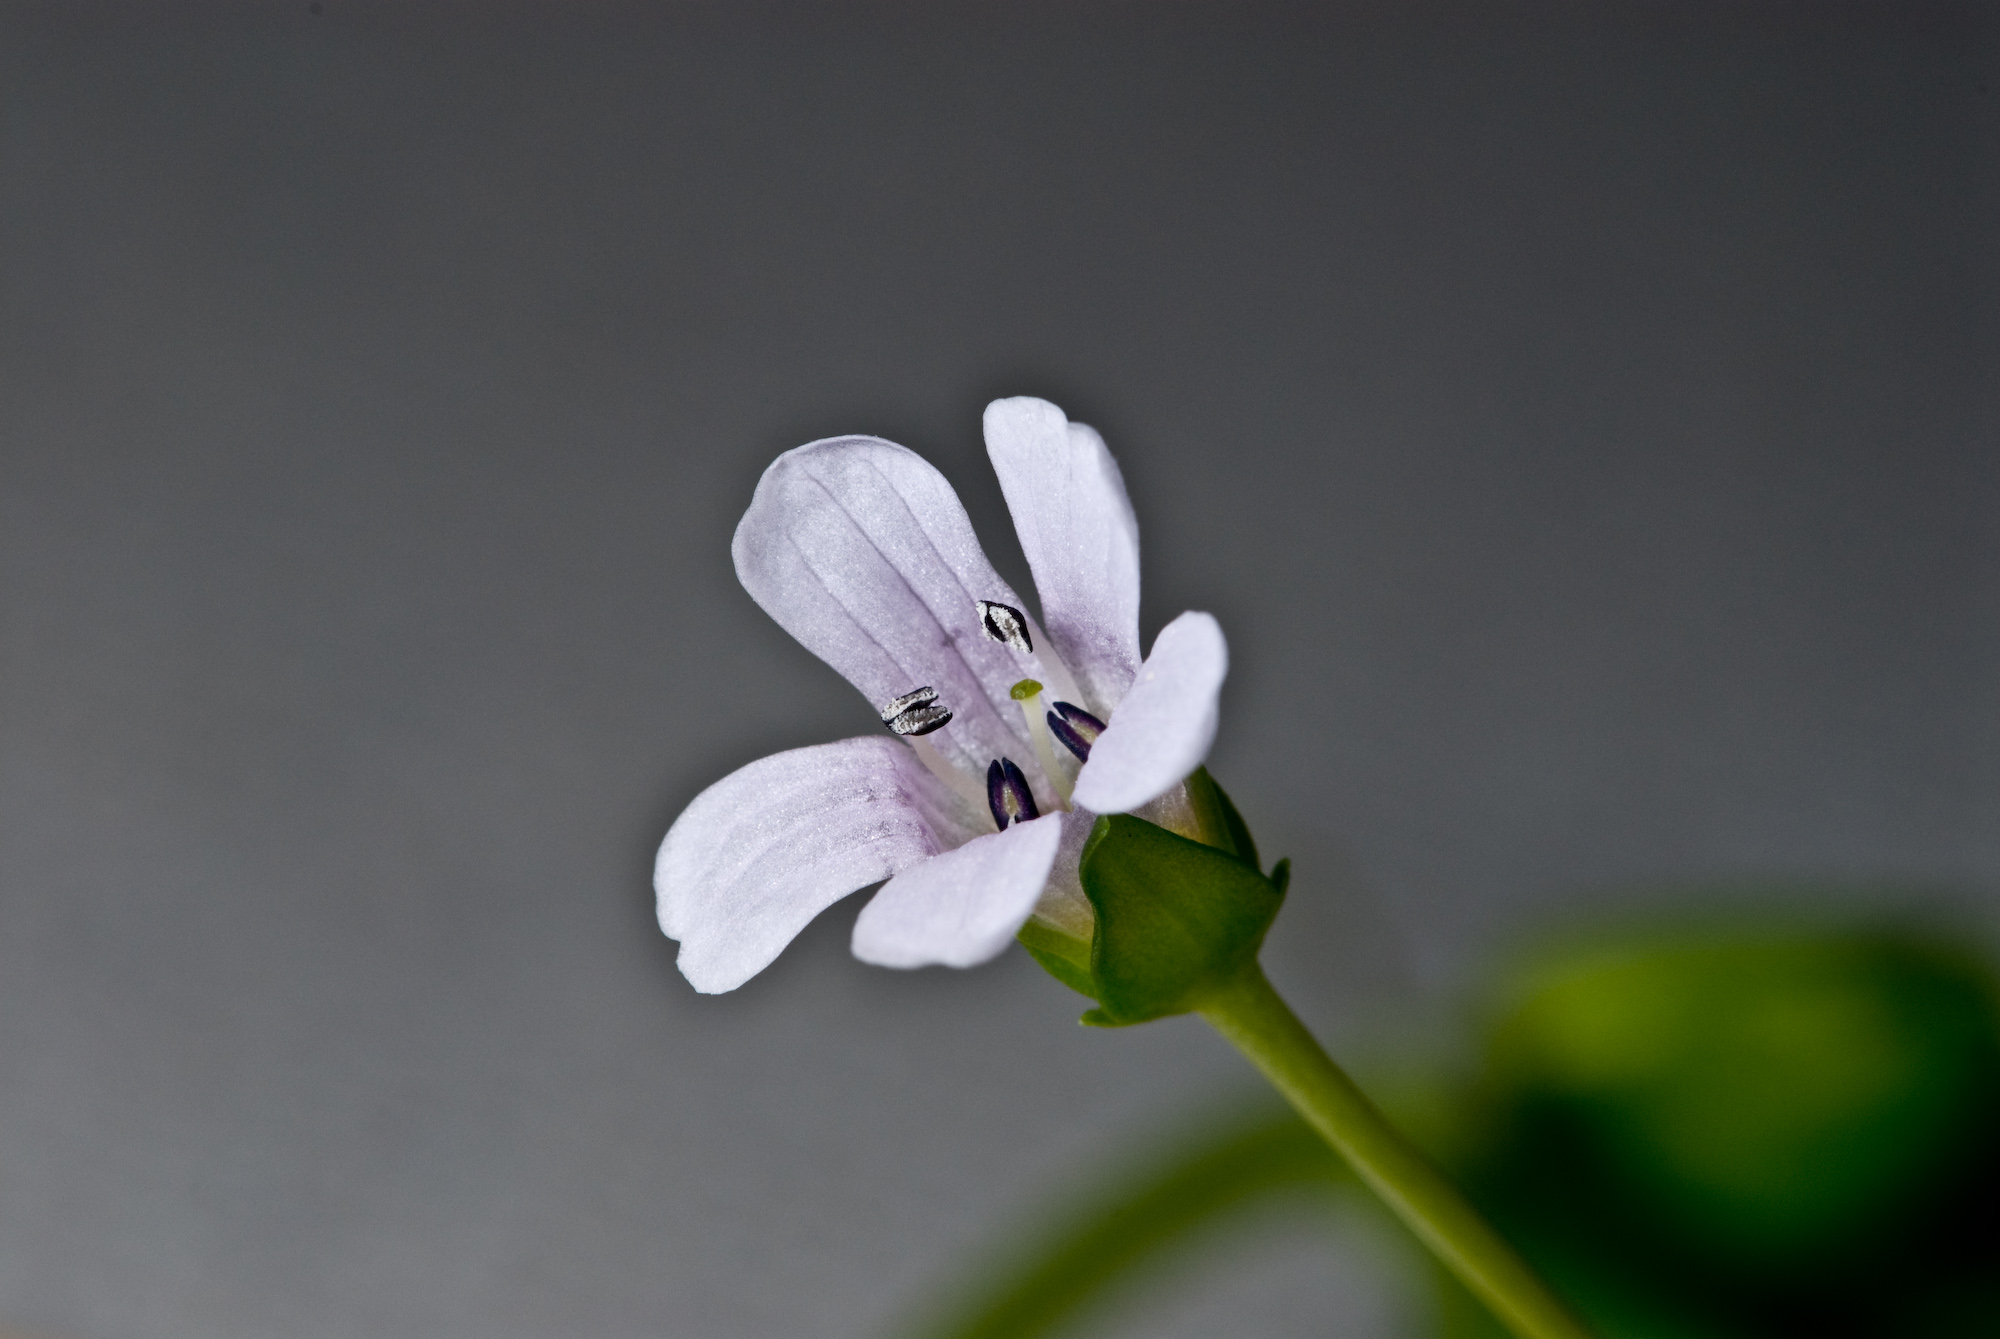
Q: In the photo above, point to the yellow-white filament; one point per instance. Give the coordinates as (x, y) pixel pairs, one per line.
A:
(961, 785)
(1036, 712)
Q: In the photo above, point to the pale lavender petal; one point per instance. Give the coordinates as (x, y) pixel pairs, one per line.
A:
(1063, 903)
(1080, 538)
(963, 907)
(767, 848)
(1162, 730)
(860, 549)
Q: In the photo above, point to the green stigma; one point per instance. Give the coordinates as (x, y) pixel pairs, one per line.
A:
(1024, 690)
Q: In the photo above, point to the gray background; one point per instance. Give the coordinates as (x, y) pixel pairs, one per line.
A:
(1582, 421)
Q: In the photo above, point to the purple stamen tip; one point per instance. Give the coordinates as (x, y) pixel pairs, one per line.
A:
(1007, 794)
(1076, 728)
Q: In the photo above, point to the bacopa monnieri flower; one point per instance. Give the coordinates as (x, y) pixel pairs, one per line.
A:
(1004, 738)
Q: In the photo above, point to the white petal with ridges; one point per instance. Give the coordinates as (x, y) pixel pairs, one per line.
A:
(963, 907)
(1162, 730)
(1080, 537)
(767, 848)
(860, 549)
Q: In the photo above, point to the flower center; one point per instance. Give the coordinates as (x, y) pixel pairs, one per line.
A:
(1029, 694)
(1009, 796)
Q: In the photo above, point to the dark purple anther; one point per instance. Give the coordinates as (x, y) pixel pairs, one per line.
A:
(1076, 728)
(1007, 794)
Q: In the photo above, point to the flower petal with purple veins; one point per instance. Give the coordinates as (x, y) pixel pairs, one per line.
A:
(764, 850)
(860, 549)
(1079, 536)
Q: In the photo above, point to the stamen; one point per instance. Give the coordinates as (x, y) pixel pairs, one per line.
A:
(959, 780)
(1007, 625)
(916, 697)
(1007, 794)
(915, 713)
(921, 721)
(1076, 728)
(1028, 693)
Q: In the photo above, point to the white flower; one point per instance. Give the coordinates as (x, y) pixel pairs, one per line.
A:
(973, 807)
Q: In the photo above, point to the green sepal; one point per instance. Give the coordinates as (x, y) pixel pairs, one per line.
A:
(1176, 919)
(1221, 826)
(1062, 956)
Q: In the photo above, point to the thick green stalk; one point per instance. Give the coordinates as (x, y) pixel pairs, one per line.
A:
(1252, 1018)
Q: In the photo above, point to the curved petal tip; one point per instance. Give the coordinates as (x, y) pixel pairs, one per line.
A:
(1079, 536)
(961, 908)
(1163, 728)
(767, 848)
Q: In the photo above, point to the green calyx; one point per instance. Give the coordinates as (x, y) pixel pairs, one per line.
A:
(1220, 825)
(1177, 919)
(1062, 956)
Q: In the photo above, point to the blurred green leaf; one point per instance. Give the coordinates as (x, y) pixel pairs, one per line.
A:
(1732, 1134)
(1081, 1258)
(1768, 1096)
(1765, 1131)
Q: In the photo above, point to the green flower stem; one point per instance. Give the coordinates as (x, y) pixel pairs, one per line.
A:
(1252, 1018)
